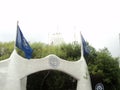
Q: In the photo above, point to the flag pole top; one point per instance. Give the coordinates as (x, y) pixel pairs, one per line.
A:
(17, 22)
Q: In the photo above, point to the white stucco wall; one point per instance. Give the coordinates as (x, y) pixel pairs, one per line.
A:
(15, 70)
(3, 72)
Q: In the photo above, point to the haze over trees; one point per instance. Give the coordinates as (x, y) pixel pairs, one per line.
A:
(103, 68)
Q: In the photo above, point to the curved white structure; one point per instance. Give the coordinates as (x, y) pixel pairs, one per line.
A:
(14, 70)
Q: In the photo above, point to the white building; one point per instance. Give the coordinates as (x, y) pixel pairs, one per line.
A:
(55, 39)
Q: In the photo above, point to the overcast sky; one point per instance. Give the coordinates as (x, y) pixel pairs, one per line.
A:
(98, 20)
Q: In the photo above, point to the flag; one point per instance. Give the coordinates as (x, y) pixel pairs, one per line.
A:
(84, 47)
(22, 44)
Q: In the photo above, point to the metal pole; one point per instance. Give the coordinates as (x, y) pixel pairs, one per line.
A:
(119, 44)
(119, 50)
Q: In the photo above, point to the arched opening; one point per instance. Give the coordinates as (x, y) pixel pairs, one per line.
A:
(51, 80)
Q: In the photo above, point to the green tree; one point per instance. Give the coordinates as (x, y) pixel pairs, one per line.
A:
(6, 49)
(105, 69)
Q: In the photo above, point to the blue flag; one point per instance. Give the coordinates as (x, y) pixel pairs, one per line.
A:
(22, 44)
(86, 49)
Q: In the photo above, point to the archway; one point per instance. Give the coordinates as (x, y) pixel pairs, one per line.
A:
(19, 68)
(51, 80)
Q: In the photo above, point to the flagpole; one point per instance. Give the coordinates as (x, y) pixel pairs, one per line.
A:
(82, 53)
(119, 52)
(16, 36)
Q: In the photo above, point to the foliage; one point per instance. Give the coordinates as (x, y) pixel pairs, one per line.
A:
(5, 50)
(105, 69)
(102, 66)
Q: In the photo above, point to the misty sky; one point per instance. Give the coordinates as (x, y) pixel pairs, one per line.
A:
(98, 20)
